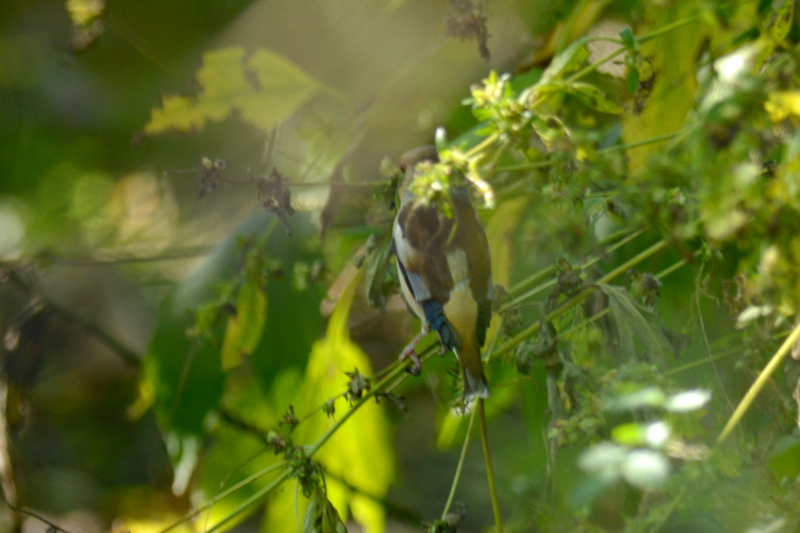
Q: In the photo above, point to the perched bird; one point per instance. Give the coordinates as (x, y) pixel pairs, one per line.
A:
(445, 272)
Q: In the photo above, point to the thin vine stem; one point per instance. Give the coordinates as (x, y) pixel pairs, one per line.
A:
(578, 298)
(549, 270)
(313, 448)
(230, 490)
(457, 476)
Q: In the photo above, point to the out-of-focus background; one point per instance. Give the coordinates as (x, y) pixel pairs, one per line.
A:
(194, 205)
(98, 234)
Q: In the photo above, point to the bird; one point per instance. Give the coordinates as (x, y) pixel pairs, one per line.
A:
(445, 272)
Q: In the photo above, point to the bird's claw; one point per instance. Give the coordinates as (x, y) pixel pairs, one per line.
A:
(416, 368)
(411, 353)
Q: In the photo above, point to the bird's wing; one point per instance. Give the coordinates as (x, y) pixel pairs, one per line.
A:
(471, 238)
(420, 236)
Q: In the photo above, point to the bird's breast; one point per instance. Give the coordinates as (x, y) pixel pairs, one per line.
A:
(461, 309)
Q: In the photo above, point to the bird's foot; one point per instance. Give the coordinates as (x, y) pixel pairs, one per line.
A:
(410, 352)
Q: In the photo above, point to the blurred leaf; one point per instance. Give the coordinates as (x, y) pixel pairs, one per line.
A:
(672, 94)
(500, 233)
(635, 335)
(782, 105)
(632, 434)
(185, 375)
(593, 97)
(379, 253)
(245, 327)
(685, 401)
(627, 39)
(645, 469)
(233, 457)
(567, 61)
(321, 516)
(784, 460)
(644, 397)
(604, 459)
(266, 89)
(653, 435)
(783, 21)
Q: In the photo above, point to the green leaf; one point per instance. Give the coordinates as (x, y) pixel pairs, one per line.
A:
(632, 79)
(321, 516)
(636, 337)
(245, 327)
(592, 96)
(784, 460)
(782, 24)
(266, 89)
(184, 375)
(627, 39)
(377, 263)
(631, 434)
(567, 61)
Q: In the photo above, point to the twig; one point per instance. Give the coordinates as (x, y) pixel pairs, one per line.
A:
(32, 514)
(498, 520)
(759, 383)
(126, 354)
(458, 468)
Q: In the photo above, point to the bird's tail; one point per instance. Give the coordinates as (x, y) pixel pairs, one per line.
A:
(474, 386)
(469, 358)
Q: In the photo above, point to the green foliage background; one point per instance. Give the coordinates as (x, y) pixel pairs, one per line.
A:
(229, 361)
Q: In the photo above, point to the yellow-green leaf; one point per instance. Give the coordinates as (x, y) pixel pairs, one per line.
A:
(245, 327)
(282, 88)
(360, 451)
(266, 88)
(673, 58)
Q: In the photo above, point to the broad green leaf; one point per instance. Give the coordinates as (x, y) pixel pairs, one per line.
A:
(184, 375)
(183, 378)
(266, 88)
(360, 451)
(245, 327)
